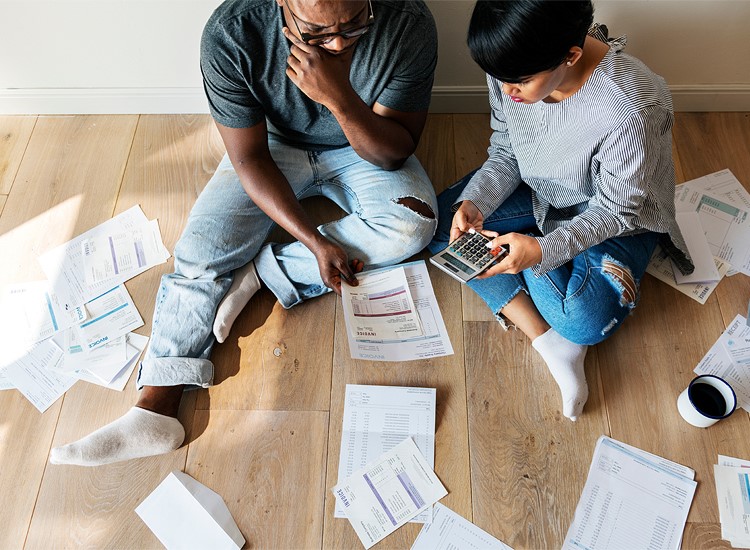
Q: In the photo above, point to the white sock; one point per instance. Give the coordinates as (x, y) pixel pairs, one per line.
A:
(136, 434)
(245, 284)
(565, 361)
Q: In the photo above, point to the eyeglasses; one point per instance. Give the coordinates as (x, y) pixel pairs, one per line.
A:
(320, 39)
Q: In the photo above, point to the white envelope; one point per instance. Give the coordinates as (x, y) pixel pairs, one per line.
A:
(184, 513)
(700, 252)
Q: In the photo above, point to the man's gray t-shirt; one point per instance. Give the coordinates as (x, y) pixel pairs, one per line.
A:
(244, 61)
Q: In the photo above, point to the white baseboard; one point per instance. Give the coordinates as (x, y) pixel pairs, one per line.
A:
(114, 101)
(445, 99)
(686, 98)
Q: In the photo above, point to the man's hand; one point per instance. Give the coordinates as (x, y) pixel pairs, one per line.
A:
(334, 265)
(466, 217)
(321, 75)
(523, 252)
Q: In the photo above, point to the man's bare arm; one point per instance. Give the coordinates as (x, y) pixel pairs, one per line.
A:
(269, 189)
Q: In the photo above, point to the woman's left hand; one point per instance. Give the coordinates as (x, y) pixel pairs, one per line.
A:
(523, 252)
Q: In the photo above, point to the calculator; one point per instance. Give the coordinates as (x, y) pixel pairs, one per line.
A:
(467, 256)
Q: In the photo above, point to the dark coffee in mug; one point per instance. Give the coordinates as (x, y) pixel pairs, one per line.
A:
(707, 399)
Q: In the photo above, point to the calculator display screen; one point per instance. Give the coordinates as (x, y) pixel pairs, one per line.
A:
(459, 264)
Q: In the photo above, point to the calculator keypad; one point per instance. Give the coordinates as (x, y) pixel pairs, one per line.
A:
(470, 247)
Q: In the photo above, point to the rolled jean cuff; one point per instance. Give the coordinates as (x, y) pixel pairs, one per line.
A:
(275, 279)
(175, 371)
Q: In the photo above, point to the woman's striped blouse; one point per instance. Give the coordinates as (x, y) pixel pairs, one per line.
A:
(599, 163)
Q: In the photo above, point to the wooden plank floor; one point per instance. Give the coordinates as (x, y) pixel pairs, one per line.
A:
(267, 436)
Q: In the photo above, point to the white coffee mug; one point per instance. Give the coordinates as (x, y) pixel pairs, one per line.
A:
(706, 400)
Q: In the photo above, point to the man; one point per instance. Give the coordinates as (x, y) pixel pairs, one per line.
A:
(311, 97)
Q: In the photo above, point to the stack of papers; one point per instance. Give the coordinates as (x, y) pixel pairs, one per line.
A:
(393, 315)
(388, 492)
(376, 419)
(713, 215)
(729, 358)
(78, 324)
(732, 477)
(722, 205)
(632, 499)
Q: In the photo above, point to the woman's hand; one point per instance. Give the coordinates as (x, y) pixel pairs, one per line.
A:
(466, 217)
(523, 252)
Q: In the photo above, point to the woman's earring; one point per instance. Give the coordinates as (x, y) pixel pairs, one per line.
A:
(569, 63)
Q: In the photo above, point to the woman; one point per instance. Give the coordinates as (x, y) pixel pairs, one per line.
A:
(579, 183)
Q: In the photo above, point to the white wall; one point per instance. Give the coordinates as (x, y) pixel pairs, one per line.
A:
(138, 56)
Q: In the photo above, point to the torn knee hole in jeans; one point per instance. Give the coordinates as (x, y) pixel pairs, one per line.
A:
(622, 278)
(418, 206)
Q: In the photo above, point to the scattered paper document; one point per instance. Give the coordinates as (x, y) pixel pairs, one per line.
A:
(660, 267)
(113, 314)
(33, 375)
(732, 477)
(124, 254)
(376, 419)
(183, 513)
(719, 362)
(724, 184)
(388, 492)
(136, 345)
(700, 253)
(66, 269)
(113, 352)
(738, 346)
(449, 531)
(29, 313)
(630, 500)
(5, 384)
(434, 341)
(726, 225)
(380, 307)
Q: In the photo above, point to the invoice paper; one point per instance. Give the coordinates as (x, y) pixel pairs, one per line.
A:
(723, 184)
(630, 500)
(434, 341)
(388, 492)
(136, 345)
(661, 267)
(728, 531)
(122, 254)
(5, 384)
(449, 531)
(114, 352)
(29, 313)
(718, 362)
(733, 495)
(34, 377)
(380, 307)
(726, 225)
(113, 314)
(376, 419)
(64, 265)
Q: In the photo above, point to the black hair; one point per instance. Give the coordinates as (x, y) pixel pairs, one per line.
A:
(512, 39)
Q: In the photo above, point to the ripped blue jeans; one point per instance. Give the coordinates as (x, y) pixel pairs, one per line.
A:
(584, 300)
(225, 230)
